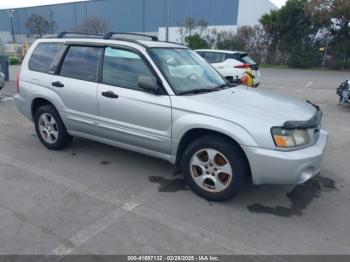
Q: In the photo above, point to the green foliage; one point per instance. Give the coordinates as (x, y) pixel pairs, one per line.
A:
(295, 31)
(13, 60)
(229, 41)
(196, 42)
(302, 58)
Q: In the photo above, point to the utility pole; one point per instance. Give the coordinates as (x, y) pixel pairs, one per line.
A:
(11, 16)
(51, 21)
(325, 53)
(166, 20)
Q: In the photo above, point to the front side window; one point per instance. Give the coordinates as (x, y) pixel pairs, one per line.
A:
(82, 62)
(122, 68)
(185, 70)
(43, 56)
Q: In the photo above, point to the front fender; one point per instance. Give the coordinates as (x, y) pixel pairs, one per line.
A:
(186, 122)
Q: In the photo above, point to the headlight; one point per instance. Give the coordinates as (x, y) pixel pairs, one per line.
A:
(290, 137)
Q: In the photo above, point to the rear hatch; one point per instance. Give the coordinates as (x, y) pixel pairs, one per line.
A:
(246, 60)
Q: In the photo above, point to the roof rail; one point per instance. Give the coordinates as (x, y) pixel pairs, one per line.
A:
(110, 35)
(65, 34)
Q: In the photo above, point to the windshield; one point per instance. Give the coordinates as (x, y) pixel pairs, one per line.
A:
(186, 71)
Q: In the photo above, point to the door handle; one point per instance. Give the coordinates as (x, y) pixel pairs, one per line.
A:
(57, 84)
(109, 94)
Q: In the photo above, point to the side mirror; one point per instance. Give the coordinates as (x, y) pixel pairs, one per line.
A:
(148, 83)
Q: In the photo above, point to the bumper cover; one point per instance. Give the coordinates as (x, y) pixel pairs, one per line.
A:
(291, 167)
(23, 106)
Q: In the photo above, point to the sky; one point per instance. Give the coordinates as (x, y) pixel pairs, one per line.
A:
(4, 4)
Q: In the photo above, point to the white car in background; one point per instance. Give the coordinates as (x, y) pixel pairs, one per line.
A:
(231, 64)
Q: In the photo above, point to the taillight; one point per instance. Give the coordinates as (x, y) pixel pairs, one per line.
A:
(17, 81)
(243, 66)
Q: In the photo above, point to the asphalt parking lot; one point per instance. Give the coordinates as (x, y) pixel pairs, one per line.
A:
(95, 199)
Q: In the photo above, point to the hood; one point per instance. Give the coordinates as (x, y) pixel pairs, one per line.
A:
(247, 107)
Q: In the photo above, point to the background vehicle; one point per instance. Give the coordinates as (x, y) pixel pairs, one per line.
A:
(344, 92)
(2, 80)
(164, 100)
(231, 64)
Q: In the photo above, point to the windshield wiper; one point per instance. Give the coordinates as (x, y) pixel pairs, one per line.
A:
(205, 90)
(196, 91)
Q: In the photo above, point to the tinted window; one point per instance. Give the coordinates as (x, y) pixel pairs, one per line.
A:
(212, 57)
(244, 58)
(43, 56)
(122, 68)
(82, 63)
(248, 60)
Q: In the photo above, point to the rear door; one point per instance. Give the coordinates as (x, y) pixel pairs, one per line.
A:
(76, 85)
(129, 114)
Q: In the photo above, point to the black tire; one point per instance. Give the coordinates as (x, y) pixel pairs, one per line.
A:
(63, 140)
(234, 155)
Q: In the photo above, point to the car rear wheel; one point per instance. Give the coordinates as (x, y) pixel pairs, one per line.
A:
(214, 168)
(50, 128)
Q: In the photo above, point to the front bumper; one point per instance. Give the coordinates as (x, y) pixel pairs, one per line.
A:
(286, 167)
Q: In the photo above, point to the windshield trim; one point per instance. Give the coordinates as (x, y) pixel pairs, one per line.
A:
(177, 93)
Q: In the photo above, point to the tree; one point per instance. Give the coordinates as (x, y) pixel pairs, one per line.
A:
(194, 33)
(190, 25)
(270, 25)
(229, 41)
(291, 33)
(93, 25)
(38, 25)
(333, 17)
(196, 42)
(202, 26)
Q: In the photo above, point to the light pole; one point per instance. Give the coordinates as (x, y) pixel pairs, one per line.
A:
(166, 20)
(325, 53)
(10, 13)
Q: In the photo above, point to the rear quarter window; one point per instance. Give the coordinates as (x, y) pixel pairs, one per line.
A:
(43, 56)
(244, 58)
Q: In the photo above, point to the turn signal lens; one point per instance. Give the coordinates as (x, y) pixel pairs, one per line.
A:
(280, 141)
(290, 137)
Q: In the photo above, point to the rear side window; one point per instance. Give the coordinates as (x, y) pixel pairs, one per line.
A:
(213, 57)
(43, 56)
(122, 68)
(82, 62)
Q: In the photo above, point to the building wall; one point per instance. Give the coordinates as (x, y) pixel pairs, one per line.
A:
(250, 11)
(137, 15)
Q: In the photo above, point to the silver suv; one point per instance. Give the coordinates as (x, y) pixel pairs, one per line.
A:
(166, 101)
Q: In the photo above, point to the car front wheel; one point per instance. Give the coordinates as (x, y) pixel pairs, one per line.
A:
(214, 168)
